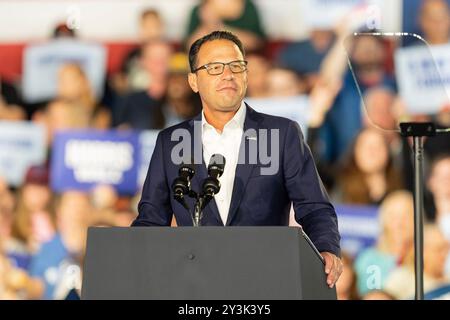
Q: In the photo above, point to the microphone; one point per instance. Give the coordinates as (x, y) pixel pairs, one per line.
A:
(181, 186)
(211, 185)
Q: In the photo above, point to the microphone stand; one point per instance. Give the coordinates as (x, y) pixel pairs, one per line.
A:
(200, 204)
(418, 131)
(198, 212)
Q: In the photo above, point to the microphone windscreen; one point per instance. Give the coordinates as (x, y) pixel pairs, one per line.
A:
(217, 160)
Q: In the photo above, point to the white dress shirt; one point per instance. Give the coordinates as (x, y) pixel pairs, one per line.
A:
(227, 144)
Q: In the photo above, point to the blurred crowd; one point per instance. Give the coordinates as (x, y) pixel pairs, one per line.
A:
(361, 157)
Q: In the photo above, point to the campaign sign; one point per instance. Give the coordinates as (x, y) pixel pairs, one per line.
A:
(42, 62)
(326, 14)
(22, 144)
(83, 159)
(295, 108)
(358, 226)
(147, 142)
(423, 75)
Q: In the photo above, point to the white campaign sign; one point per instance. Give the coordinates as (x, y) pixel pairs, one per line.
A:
(22, 144)
(42, 61)
(326, 14)
(295, 108)
(423, 75)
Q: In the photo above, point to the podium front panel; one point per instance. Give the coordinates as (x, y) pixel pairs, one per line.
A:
(226, 263)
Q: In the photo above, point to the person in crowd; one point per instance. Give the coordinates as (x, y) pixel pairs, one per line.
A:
(284, 83)
(344, 118)
(434, 20)
(143, 109)
(132, 76)
(438, 184)
(33, 223)
(380, 110)
(10, 103)
(346, 285)
(367, 175)
(312, 52)
(238, 16)
(7, 201)
(65, 250)
(62, 115)
(258, 77)
(104, 199)
(180, 103)
(400, 282)
(378, 104)
(61, 30)
(74, 86)
(374, 264)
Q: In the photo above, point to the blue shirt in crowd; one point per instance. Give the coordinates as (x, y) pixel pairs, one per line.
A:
(45, 264)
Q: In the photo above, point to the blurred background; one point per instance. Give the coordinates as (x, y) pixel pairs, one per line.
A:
(85, 86)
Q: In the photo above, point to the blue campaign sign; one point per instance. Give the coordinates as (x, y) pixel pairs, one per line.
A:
(22, 144)
(147, 142)
(358, 226)
(83, 159)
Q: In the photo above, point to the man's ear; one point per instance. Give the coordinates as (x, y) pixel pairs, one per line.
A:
(192, 79)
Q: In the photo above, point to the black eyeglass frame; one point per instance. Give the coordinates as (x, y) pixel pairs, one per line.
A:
(205, 66)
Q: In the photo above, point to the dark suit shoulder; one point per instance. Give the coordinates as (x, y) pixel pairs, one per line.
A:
(271, 121)
(182, 125)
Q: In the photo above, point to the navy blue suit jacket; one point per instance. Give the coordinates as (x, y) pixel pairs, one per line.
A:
(257, 200)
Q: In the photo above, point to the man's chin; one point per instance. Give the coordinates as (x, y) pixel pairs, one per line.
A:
(229, 108)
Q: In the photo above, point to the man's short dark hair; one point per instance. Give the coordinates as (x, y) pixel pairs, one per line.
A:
(215, 35)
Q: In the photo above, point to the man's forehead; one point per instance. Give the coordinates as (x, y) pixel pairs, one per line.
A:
(219, 49)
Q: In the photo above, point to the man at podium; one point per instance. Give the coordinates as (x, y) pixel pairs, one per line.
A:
(251, 188)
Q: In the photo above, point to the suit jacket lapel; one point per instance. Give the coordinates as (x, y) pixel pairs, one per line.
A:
(244, 168)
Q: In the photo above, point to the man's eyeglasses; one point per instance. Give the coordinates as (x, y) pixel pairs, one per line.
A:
(216, 68)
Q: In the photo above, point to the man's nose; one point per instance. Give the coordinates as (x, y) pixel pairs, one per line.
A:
(227, 73)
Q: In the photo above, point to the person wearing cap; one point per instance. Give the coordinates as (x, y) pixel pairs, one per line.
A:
(181, 103)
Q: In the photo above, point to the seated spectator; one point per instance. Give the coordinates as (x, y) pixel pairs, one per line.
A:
(63, 31)
(6, 293)
(439, 186)
(374, 265)
(238, 16)
(11, 112)
(10, 103)
(33, 222)
(143, 109)
(367, 57)
(66, 249)
(258, 67)
(181, 102)
(367, 174)
(400, 283)
(284, 83)
(434, 20)
(305, 56)
(63, 115)
(379, 111)
(7, 205)
(74, 86)
(103, 199)
(151, 28)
